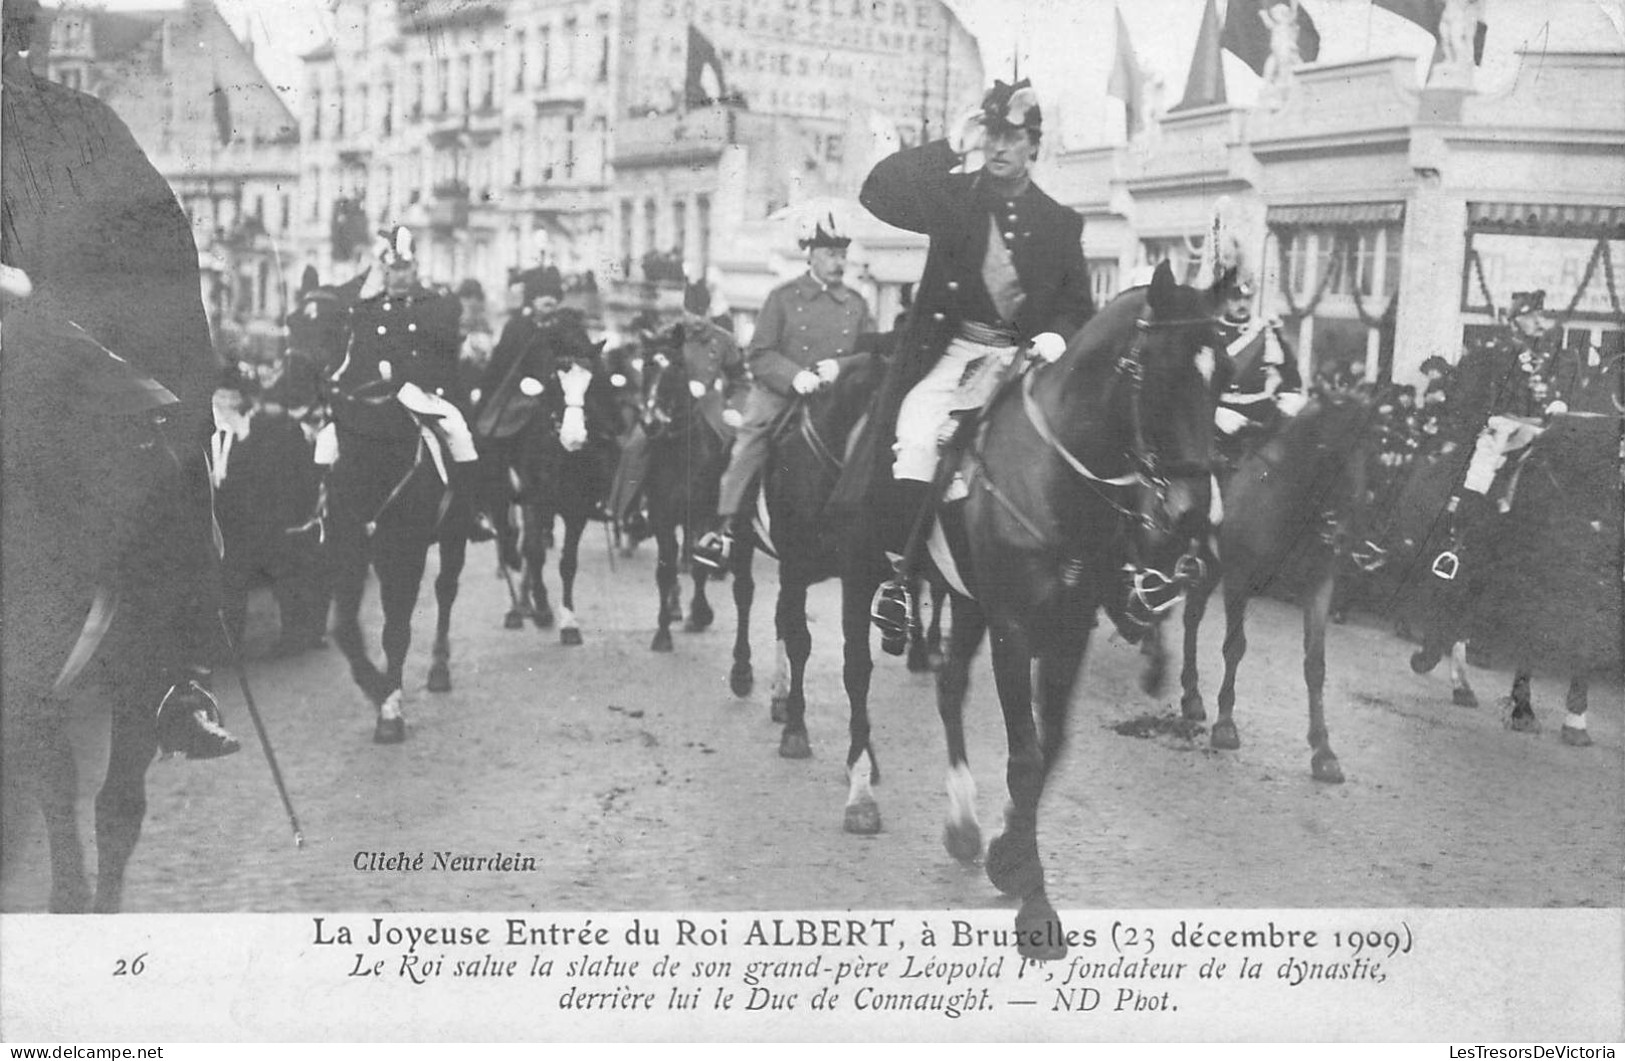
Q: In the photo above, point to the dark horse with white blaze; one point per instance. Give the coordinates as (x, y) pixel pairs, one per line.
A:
(563, 448)
(686, 457)
(1083, 479)
(1290, 512)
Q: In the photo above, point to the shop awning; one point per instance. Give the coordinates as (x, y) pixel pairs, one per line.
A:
(1338, 214)
(1547, 219)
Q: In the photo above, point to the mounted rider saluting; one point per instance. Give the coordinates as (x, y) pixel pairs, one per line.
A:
(804, 338)
(98, 261)
(403, 352)
(1005, 269)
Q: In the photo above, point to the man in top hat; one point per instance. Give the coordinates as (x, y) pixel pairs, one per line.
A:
(1004, 270)
(804, 337)
(97, 259)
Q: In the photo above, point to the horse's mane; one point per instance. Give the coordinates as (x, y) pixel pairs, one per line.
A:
(1098, 336)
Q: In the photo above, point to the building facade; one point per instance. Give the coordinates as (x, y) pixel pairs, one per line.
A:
(1385, 221)
(214, 127)
(508, 132)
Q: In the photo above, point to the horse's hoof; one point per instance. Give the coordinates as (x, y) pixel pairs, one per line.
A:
(796, 746)
(1192, 709)
(963, 841)
(1576, 738)
(1423, 660)
(570, 635)
(389, 731)
(699, 619)
(439, 678)
(1224, 736)
(1013, 866)
(779, 710)
(1522, 722)
(543, 618)
(862, 818)
(1463, 697)
(662, 641)
(1039, 935)
(1324, 767)
(741, 680)
(513, 621)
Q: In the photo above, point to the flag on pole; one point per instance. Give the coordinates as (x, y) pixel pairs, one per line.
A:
(1247, 32)
(1429, 14)
(222, 114)
(1205, 85)
(1125, 82)
(702, 57)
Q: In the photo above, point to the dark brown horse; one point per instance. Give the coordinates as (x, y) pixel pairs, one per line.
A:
(1291, 509)
(686, 457)
(1083, 483)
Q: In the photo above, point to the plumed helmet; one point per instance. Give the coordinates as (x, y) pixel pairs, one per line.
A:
(697, 298)
(398, 247)
(541, 281)
(822, 230)
(1007, 107)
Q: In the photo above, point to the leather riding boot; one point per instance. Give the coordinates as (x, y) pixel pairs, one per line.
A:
(715, 549)
(892, 609)
(188, 720)
(317, 520)
(464, 485)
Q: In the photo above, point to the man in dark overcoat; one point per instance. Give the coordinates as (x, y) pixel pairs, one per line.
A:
(99, 260)
(1005, 269)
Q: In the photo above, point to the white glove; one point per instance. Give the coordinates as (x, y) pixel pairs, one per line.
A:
(1291, 403)
(827, 369)
(15, 282)
(1048, 346)
(967, 132)
(696, 388)
(805, 382)
(733, 417)
(1228, 420)
(530, 386)
(1557, 407)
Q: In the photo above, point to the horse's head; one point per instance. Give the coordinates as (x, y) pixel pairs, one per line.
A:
(670, 390)
(561, 367)
(319, 324)
(1170, 376)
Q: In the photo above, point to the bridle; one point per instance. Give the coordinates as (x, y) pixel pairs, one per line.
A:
(1152, 593)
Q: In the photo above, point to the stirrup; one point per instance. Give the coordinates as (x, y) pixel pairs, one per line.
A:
(188, 722)
(1446, 565)
(714, 551)
(892, 612)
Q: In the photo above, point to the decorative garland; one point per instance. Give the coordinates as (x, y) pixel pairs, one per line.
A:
(1286, 278)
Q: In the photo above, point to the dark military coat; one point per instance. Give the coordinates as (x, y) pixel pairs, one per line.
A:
(915, 190)
(1254, 380)
(416, 334)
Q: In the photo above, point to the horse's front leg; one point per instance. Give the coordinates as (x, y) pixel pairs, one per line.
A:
(1574, 721)
(665, 536)
(40, 748)
(741, 679)
(862, 815)
(536, 540)
(121, 805)
(962, 835)
(1461, 693)
(1190, 678)
(400, 575)
(569, 563)
(1317, 606)
(347, 556)
(453, 554)
(1225, 736)
(790, 624)
(700, 613)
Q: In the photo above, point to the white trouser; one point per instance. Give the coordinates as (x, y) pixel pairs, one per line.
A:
(1501, 435)
(964, 378)
(443, 417)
